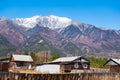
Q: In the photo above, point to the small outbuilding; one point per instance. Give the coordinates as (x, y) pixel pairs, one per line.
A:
(70, 63)
(114, 64)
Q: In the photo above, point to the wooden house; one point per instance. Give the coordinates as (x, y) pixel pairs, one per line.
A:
(71, 63)
(20, 62)
(15, 63)
(114, 64)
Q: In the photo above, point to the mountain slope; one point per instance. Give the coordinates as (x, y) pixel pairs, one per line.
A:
(11, 32)
(51, 38)
(5, 46)
(60, 34)
(101, 40)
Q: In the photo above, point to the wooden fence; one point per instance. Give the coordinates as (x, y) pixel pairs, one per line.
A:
(82, 76)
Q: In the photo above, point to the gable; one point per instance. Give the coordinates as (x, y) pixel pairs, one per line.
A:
(81, 59)
(12, 59)
(111, 63)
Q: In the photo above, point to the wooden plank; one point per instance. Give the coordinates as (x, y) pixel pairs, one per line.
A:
(82, 76)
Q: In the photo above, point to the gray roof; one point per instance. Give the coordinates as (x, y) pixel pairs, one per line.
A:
(113, 61)
(26, 58)
(68, 59)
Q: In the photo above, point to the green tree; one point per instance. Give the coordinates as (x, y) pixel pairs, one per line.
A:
(54, 57)
(25, 53)
(97, 62)
(34, 57)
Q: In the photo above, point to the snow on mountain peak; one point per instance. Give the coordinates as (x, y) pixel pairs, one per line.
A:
(51, 21)
(26, 22)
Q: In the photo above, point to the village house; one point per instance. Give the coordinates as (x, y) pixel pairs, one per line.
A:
(15, 63)
(114, 65)
(67, 64)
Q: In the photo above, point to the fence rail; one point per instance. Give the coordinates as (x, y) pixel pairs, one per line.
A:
(81, 76)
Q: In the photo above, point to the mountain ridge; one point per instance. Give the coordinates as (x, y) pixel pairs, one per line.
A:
(66, 35)
(46, 21)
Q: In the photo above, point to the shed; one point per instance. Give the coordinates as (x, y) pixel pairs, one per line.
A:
(70, 63)
(114, 64)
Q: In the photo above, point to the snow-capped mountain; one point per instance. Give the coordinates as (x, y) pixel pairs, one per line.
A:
(60, 34)
(53, 22)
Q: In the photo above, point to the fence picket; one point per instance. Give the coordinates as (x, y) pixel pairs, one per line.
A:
(68, 76)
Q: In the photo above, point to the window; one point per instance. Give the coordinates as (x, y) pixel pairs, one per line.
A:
(76, 65)
(85, 66)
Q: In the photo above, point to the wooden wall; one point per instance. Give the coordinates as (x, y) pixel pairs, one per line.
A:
(69, 67)
(4, 66)
(115, 68)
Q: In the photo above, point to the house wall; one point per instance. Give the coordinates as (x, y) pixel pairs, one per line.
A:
(69, 67)
(115, 68)
(20, 64)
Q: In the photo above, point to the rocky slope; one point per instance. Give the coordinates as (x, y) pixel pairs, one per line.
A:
(61, 34)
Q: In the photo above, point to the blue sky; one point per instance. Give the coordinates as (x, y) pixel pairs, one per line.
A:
(101, 13)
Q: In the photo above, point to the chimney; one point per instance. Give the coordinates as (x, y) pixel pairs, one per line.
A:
(46, 56)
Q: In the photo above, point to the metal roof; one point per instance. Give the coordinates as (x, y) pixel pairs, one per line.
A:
(26, 58)
(68, 59)
(113, 61)
(2, 58)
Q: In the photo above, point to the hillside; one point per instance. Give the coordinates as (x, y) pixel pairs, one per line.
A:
(5, 46)
(59, 35)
